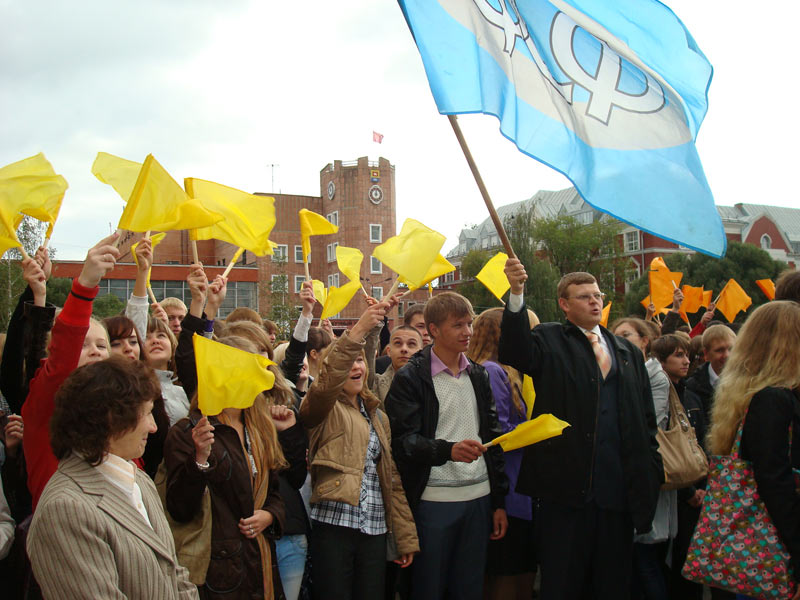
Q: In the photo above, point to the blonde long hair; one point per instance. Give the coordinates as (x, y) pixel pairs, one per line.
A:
(766, 354)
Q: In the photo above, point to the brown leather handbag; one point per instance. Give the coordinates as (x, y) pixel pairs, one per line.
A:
(685, 462)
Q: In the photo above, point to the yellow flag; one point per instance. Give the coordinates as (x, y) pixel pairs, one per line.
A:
(658, 264)
(662, 288)
(33, 165)
(155, 240)
(121, 174)
(692, 298)
(732, 299)
(38, 196)
(528, 433)
(439, 267)
(493, 277)
(339, 297)
(411, 253)
(312, 224)
(228, 377)
(645, 302)
(767, 286)
(707, 296)
(249, 219)
(605, 313)
(349, 261)
(528, 395)
(158, 203)
(320, 293)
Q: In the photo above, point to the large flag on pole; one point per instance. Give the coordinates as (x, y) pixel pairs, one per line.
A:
(609, 92)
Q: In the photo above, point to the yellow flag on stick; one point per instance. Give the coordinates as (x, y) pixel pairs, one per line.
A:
(228, 377)
(528, 433)
(707, 296)
(605, 313)
(662, 286)
(155, 240)
(493, 276)
(158, 203)
(249, 219)
(411, 253)
(38, 186)
(338, 298)
(692, 298)
(120, 173)
(439, 267)
(528, 395)
(33, 165)
(733, 299)
(312, 224)
(767, 286)
(320, 293)
(349, 261)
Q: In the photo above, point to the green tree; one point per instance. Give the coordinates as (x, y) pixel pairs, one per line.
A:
(31, 234)
(281, 310)
(58, 289)
(107, 306)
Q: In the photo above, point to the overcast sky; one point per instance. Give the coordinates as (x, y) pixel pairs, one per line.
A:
(222, 90)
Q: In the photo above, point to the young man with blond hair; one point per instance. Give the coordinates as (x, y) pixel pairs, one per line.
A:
(176, 311)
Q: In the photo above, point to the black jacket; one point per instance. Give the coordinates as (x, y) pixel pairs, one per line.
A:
(701, 390)
(560, 360)
(765, 442)
(413, 411)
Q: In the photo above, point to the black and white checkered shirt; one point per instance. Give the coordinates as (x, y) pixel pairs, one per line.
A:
(369, 516)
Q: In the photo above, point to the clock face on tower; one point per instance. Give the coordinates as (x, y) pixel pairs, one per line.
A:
(331, 190)
(375, 194)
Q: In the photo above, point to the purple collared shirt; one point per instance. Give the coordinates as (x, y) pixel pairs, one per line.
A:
(437, 366)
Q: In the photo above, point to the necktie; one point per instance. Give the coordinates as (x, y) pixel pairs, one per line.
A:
(603, 359)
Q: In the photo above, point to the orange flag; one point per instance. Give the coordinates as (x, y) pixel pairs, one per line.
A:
(604, 314)
(658, 264)
(707, 296)
(733, 299)
(767, 286)
(692, 298)
(662, 286)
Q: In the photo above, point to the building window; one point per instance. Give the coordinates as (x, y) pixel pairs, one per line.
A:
(333, 280)
(298, 283)
(375, 233)
(401, 309)
(449, 277)
(280, 253)
(298, 254)
(333, 217)
(280, 283)
(766, 242)
(375, 266)
(632, 241)
(332, 251)
(377, 292)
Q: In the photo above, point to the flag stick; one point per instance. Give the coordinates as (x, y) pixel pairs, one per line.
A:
(25, 255)
(194, 252)
(305, 265)
(365, 291)
(119, 238)
(151, 294)
(393, 289)
(46, 243)
(236, 256)
(498, 224)
(227, 270)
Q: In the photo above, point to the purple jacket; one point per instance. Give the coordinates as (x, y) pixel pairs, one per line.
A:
(517, 505)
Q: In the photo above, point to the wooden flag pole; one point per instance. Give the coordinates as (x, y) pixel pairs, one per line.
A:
(46, 243)
(305, 265)
(152, 295)
(234, 258)
(194, 252)
(393, 289)
(498, 224)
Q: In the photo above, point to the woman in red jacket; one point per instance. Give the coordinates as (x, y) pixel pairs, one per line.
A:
(76, 340)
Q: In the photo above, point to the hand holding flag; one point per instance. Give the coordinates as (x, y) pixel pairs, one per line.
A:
(532, 432)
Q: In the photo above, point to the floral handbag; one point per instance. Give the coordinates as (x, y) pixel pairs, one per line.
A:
(735, 546)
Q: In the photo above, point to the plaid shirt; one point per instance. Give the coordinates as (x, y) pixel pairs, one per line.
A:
(369, 516)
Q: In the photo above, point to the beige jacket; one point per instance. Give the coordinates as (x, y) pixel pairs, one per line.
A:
(337, 445)
(88, 541)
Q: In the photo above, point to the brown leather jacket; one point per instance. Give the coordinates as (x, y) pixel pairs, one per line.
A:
(338, 438)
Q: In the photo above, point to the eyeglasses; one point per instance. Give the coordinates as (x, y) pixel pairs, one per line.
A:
(599, 296)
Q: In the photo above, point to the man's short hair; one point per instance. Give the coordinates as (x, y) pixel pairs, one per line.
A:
(577, 278)
(412, 310)
(715, 333)
(665, 346)
(443, 305)
(787, 287)
(242, 313)
(405, 328)
(172, 302)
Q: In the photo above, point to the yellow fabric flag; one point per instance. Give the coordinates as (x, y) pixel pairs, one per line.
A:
(228, 377)
(493, 276)
(338, 298)
(528, 395)
(707, 296)
(411, 253)
(38, 196)
(692, 298)
(658, 264)
(33, 165)
(645, 302)
(320, 293)
(312, 224)
(155, 240)
(349, 261)
(528, 433)
(158, 203)
(605, 313)
(662, 288)
(732, 299)
(767, 286)
(439, 267)
(120, 173)
(249, 219)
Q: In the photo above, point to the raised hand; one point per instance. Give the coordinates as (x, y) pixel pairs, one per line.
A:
(515, 271)
(42, 256)
(216, 295)
(283, 417)
(203, 438)
(33, 274)
(369, 319)
(99, 261)
(144, 255)
(307, 298)
(159, 312)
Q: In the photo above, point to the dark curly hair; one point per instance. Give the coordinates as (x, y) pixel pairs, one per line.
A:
(98, 402)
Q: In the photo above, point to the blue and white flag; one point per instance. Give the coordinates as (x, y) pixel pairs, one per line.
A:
(611, 93)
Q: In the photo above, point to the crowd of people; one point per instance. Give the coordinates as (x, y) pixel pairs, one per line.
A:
(365, 471)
